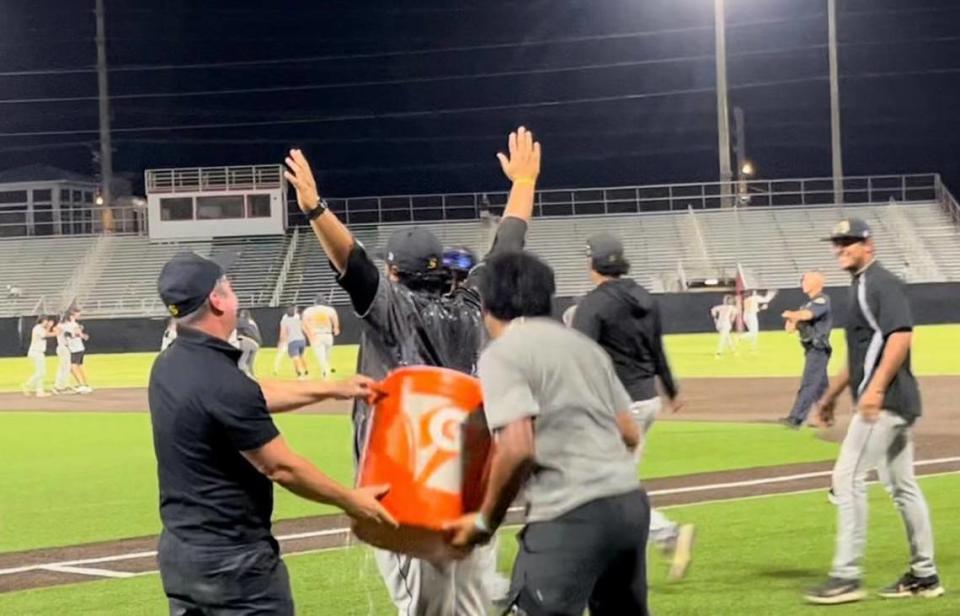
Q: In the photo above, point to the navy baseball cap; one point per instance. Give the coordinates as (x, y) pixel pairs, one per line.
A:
(605, 249)
(187, 280)
(414, 251)
(851, 229)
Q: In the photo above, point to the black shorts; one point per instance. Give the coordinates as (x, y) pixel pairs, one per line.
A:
(77, 358)
(237, 580)
(592, 556)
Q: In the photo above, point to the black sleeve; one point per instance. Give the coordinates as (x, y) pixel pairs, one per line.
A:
(360, 279)
(242, 411)
(892, 308)
(511, 237)
(586, 319)
(661, 364)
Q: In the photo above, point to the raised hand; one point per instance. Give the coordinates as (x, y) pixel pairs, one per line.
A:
(523, 162)
(301, 176)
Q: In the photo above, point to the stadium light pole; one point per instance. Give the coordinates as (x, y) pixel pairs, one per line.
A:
(106, 149)
(723, 106)
(836, 147)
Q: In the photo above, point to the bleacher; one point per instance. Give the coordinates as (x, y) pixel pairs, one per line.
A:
(772, 245)
(41, 268)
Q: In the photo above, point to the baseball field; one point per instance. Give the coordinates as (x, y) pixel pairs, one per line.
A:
(78, 499)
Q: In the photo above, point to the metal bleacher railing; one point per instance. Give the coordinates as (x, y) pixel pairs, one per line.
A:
(202, 179)
(637, 199)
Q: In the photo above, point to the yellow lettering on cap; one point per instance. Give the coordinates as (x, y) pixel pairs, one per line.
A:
(842, 227)
(432, 263)
(174, 311)
(820, 300)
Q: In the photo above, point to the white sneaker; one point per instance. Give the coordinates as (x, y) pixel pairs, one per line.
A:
(84, 389)
(42, 394)
(682, 553)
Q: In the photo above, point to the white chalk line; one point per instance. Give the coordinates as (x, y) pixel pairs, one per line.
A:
(345, 531)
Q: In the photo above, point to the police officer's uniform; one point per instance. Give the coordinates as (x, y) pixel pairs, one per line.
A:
(815, 338)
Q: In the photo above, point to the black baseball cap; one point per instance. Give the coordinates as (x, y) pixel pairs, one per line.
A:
(414, 251)
(855, 229)
(605, 249)
(187, 280)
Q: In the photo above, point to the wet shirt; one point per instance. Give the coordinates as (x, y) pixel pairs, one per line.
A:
(879, 308)
(402, 327)
(815, 333)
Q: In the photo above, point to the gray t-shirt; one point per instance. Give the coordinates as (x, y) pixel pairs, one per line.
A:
(293, 327)
(563, 380)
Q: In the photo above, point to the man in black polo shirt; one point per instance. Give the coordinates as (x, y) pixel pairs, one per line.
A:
(218, 450)
(410, 319)
(879, 333)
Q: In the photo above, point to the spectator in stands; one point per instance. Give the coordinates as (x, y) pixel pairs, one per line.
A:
(293, 339)
(37, 354)
(75, 336)
(14, 291)
(408, 320)
(321, 324)
(169, 334)
(248, 336)
(62, 383)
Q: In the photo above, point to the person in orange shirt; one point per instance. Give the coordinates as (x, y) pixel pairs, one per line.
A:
(321, 324)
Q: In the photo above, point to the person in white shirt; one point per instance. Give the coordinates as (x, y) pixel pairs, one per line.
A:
(61, 384)
(169, 334)
(321, 324)
(75, 337)
(752, 305)
(724, 316)
(37, 354)
(292, 338)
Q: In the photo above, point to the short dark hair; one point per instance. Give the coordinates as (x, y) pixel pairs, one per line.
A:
(612, 270)
(291, 310)
(517, 284)
(431, 283)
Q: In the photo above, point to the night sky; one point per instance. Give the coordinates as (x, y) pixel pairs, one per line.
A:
(417, 96)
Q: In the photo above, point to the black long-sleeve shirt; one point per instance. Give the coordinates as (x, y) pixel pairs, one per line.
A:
(624, 319)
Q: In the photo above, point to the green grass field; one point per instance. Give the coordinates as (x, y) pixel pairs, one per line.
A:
(754, 556)
(690, 354)
(71, 478)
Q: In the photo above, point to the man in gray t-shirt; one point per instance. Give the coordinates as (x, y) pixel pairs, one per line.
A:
(564, 432)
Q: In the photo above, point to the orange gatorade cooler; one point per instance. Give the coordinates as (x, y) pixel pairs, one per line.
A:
(428, 440)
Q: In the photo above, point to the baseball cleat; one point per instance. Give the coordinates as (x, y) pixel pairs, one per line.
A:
(836, 591)
(912, 586)
(682, 552)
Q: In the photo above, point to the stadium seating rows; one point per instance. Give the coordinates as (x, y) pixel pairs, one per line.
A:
(773, 246)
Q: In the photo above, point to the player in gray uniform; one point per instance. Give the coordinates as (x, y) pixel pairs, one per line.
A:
(813, 321)
(410, 319)
(249, 339)
(879, 333)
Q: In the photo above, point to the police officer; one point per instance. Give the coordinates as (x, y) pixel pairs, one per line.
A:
(409, 319)
(218, 450)
(812, 322)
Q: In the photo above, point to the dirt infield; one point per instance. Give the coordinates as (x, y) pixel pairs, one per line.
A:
(750, 400)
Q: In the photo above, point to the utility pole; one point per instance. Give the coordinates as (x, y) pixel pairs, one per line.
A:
(106, 150)
(723, 109)
(835, 104)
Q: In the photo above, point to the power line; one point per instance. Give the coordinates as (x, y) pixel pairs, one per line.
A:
(407, 52)
(420, 113)
(408, 80)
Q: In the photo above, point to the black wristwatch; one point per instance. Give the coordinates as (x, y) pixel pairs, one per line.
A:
(318, 211)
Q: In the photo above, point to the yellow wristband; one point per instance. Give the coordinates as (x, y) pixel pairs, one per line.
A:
(524, 181)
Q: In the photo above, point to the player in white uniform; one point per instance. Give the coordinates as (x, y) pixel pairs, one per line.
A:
(62, 383)
(321, 324)
(75, 337)
(724, 316)
(293, 340)
(752, 305)
(37, 352)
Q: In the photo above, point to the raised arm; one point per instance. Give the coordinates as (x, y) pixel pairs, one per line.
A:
(334, 237)
(522, 168)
